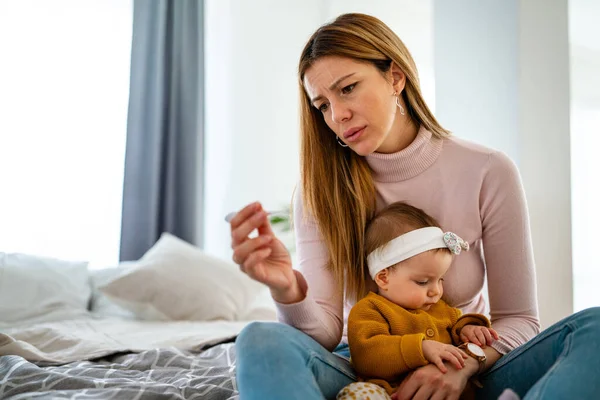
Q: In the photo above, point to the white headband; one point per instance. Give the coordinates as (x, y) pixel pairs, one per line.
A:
(412, 243)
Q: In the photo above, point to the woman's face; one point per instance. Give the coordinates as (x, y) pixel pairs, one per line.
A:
(357, 102)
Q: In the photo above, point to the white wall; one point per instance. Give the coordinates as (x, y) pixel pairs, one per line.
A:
(476, 71)
(252, 51)
(411, 20)
(545, 159)
(251, 147)
(502, 79)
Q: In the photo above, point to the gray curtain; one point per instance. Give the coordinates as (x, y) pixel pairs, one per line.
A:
(162, 189)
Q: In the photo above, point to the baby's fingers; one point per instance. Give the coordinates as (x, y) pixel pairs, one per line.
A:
(488, 336)
(453, 357)
(471, 337)
(440, 364)
(480, 337)
(494, 334)
(464, 338)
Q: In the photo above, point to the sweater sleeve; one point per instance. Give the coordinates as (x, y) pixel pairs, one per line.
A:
(508, 253)
(375, 352)
(320, 313)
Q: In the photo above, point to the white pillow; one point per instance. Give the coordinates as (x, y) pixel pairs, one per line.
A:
(39, 287)
(100, 305)
(261, 308)
(175, 280)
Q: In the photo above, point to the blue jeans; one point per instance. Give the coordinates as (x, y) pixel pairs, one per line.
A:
(276, 361)
(562, 362)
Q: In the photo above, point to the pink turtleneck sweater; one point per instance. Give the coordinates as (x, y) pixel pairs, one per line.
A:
(471, 190)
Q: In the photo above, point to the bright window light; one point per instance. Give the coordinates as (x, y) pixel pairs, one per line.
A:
(64, 88)
(584, 46)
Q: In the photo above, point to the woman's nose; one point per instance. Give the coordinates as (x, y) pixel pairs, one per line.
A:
(340, 113)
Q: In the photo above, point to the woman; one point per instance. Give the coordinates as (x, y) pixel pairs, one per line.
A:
(369, 139)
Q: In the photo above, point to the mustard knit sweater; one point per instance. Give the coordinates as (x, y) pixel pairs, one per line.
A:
(386, 340)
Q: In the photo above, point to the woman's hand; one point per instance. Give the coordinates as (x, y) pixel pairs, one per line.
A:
(263, 258)
(428, 382)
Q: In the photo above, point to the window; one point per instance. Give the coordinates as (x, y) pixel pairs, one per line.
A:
(584, 38)
(64, 88)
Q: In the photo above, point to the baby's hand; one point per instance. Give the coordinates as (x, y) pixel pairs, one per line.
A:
(480, 335)
(435, 352)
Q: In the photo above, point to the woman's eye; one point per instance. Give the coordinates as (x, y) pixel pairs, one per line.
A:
(348, 88)
(323, 107)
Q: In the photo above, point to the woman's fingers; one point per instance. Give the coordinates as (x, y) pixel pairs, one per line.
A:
(408, 387)
(241, 231)
(264, 227)
(245, 249)
(253, 260)
(246, 221)
(237, 222)
(439, 395)
(424, 393)
(244, 213)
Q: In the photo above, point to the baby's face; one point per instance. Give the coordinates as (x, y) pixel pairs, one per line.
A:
(417, 283)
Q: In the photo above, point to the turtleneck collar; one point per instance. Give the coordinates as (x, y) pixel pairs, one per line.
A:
(408, 162)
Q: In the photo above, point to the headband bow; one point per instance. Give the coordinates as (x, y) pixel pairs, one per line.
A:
(455, 243)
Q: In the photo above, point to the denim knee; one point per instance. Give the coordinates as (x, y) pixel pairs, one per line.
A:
(589, 317)
(263, 338)
(592, 312)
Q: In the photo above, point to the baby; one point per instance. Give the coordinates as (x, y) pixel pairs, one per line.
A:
(406, 325)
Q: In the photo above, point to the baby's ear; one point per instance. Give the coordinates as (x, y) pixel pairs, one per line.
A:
(382, 278)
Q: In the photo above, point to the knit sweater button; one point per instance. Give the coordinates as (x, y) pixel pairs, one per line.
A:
(429, 332)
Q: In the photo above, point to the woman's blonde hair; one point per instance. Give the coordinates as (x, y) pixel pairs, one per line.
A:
(337, 186)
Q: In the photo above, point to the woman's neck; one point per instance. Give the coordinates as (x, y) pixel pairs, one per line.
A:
(400, 137)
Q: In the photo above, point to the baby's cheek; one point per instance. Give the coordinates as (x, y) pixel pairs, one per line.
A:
(417, 298)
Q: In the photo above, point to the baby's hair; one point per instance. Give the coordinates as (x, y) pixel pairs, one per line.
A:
(394, 220)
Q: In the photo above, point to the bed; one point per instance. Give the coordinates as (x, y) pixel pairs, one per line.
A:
(162, 327)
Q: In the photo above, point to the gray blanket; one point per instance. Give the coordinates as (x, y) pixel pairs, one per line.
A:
(166, 373)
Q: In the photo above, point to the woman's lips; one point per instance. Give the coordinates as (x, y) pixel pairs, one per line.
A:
(353, 136)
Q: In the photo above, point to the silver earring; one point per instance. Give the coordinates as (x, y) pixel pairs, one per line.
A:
(340, 142)
(398, 103)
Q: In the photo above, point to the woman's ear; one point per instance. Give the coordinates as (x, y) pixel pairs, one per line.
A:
(382, 279)
(398, 78)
